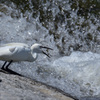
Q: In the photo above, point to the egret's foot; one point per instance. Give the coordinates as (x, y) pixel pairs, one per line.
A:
(12, 72)
(0, 80)
(3, 68)
(9, 71)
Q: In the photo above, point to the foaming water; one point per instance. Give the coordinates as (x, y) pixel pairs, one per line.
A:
(77, 74)
(82, 71)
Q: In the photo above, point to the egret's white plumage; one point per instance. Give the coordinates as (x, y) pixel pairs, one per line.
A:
(15, 52)
(20, 52)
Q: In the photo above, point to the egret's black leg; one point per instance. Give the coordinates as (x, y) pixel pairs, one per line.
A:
(11, 71)
(9, 64)
(3, 67)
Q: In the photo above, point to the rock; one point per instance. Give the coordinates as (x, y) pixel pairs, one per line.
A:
(14, 87)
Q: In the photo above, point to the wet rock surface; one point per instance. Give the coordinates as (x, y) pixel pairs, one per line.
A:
(14, 87)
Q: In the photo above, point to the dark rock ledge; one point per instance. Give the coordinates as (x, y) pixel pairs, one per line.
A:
(14, 87)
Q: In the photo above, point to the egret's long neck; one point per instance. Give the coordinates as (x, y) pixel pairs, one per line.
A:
(34, 55)
(33, 52)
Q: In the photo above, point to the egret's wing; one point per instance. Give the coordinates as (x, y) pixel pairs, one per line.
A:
(5, 51)
(14, 44)
(12, 49)
(9, 49)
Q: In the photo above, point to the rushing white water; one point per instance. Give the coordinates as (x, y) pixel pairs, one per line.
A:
(76, 74)
(81, 71)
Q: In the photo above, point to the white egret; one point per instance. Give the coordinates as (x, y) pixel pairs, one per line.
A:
(15, 52)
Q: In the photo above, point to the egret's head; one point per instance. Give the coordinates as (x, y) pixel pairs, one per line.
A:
(38, 48)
